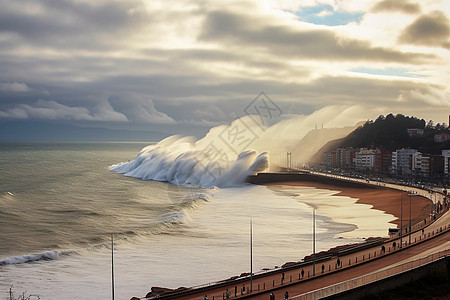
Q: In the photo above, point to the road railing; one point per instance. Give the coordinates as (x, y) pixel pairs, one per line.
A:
(372, 277)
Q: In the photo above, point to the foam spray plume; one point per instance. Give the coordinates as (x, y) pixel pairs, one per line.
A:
(230, 153)
(208, 162)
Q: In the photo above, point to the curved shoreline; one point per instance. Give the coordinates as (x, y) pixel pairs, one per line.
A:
(384, 199)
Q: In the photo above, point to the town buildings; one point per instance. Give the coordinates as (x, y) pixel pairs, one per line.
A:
(401, 163)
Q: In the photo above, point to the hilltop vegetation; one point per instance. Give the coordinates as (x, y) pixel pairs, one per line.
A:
(390, 133)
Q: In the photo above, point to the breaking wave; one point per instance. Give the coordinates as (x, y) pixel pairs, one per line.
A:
(48, 255)
(176, 218)
(209, 162)
(223, 157)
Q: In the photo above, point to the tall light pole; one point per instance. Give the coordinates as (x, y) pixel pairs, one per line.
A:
(314, 241)
(112, 265)
(410, 220)
(251, 255)
(401, 221)
(435, 203)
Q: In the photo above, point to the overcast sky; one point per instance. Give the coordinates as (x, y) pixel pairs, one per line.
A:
(184, 66)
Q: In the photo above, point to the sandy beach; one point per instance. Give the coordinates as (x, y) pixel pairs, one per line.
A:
(386, 200)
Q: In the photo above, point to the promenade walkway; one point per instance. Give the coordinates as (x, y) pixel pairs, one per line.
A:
(426, 237)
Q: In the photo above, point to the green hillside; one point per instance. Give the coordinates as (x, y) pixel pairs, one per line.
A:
(390, 133)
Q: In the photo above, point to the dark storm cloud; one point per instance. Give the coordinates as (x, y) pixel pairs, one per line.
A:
(241, 31)
(404, 6)
(192, 63)
(432, 30)
(67, 24)
(293, 98)
(52, 110)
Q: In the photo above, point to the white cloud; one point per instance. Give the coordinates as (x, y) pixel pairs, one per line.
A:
(428, 95)
(216, 51)
(16, 87)
(324, 13)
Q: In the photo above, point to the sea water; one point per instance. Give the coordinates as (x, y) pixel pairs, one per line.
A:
(60, 204)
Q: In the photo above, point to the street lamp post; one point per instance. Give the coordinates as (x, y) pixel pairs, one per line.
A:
(401, 221)
(314, 241)
(251, 255)
(435, 203)
(112, 267)
(410, 220)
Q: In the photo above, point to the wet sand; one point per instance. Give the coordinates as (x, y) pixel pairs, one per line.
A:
(387, 200)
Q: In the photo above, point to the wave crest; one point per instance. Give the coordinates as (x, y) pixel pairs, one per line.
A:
(181, 161)
(47, 255)
(176, 218)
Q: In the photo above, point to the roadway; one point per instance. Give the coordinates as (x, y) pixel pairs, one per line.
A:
(426, 238)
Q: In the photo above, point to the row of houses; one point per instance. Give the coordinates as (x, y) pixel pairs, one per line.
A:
(402, 162)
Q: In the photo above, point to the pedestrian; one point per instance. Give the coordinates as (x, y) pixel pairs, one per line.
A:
(286, 295)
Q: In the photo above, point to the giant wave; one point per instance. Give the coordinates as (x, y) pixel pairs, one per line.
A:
(179, 161)
(221, 158)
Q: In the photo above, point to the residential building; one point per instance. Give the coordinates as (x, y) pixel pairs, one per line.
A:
(420, 164)
(437, 166)
(441, 137)
(414, 131)
(366, 159)
(402, 161)
(446, 155)
(386, 161)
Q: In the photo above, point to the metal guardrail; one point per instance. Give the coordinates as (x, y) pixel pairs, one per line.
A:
(370, 278)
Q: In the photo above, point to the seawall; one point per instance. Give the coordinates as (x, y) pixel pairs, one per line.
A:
(265, 178)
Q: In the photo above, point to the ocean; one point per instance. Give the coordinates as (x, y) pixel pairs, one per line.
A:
(60, 202)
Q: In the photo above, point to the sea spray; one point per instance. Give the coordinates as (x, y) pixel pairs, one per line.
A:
(176, 218)
(191, 168)
(208, 162)
(229, 153)
(247, 163)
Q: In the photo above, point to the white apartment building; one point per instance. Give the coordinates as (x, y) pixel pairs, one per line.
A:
(420, 164)
(402, 161)
(446, 155)
(365, 159)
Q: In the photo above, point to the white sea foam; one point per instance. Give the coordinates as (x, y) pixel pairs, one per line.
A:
(176, 218)
(48, 255)
(180, 160)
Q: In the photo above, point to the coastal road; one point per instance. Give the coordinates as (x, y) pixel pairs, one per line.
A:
(433, 194)
(425, 239)
(434, 238)
(388, 261)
